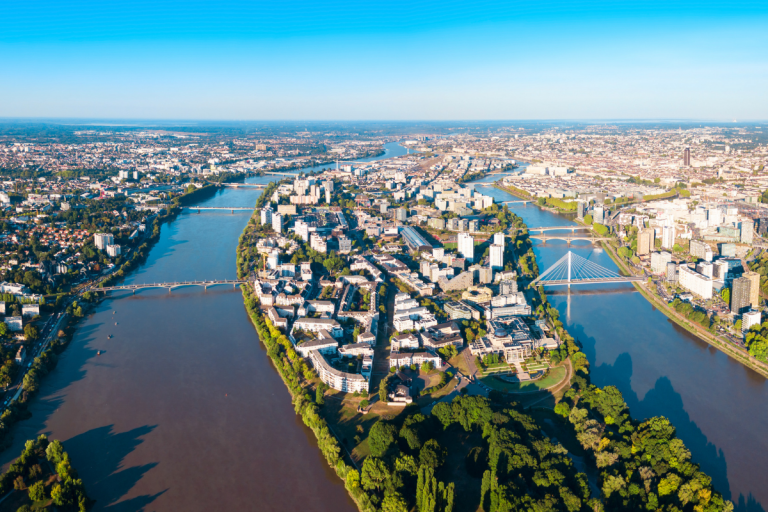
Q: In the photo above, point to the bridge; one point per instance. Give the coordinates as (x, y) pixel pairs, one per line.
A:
(294, 174)
(516, 202)
(244, 185)
(559, 228)
(573, 269)
(569, 238)
(232, 209)
(169, 286)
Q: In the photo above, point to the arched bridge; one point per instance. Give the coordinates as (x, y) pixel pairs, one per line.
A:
(170, 286)
(568, 238)
(232, 209)
(571, 228)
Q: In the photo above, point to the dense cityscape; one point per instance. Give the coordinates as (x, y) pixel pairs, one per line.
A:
(407, 288)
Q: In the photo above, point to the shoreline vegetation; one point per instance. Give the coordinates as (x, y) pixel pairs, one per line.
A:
(489, 453)
(742, 356)
(43, 478)
(18, 409)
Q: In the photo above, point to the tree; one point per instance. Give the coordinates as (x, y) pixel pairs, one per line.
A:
(57, 494)
(394, 503)
(432, 455)
(3, 328)
(375, 472)
(319, 393)
(562, 409)
(587, 219)
(30, 332)
(381, 436)
(37, 491)
(54, 452)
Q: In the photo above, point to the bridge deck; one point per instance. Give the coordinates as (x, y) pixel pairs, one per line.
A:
(171, 285)
(623, 279)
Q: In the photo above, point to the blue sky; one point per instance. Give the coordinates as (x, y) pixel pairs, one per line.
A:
(384, 60)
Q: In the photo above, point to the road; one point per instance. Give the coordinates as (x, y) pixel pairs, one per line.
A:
(47, 334)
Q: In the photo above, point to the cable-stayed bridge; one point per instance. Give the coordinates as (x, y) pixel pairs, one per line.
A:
(574, 269)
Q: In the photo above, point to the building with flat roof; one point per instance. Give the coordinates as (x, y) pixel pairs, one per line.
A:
(336, 379)
(497, 256)
(754, 289)
(466, 246)
(694, 282)
(414, 240)
(646, 240)
(750, 318)
(740, 295)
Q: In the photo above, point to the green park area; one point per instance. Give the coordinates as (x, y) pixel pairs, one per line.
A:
(555, 376)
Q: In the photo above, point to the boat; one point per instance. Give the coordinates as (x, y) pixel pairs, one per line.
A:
(98, 353)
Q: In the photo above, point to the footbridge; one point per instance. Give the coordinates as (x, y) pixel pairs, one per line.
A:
(573, 269)
(170, 286)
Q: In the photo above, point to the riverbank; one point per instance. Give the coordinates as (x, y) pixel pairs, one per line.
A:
(742, 356)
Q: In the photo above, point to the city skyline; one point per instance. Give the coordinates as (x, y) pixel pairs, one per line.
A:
(339, 61)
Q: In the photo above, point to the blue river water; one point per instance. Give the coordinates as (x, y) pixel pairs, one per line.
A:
(716, 404)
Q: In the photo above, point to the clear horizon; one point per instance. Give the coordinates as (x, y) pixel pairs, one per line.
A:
(393, 61)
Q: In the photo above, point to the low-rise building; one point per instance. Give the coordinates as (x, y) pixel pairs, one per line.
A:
(336, 379)
(319, 324)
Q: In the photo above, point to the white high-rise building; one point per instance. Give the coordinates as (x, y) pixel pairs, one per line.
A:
(659, 261)
(498, 239)
(668, 237)
(714, 217)
(749, 319)
(497, 256)
(266, 215)
(598, 214)
(467, 246)
(277, 223)
(694, 282)
(102, 240)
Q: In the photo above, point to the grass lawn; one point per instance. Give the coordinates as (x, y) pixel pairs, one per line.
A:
(555, 375)
(428, 399)
(460, 363)
(344, 420)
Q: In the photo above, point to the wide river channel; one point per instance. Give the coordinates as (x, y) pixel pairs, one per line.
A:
(717, 405)
(183, 411)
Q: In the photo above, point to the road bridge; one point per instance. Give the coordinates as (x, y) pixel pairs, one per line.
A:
(516, 202)
(293, 174)
(232, 209)
(170, 286)
(573, 269)
(558, 228)
(569, 238)
(244, 185)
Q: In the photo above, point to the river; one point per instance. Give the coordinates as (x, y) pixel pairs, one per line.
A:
(661, 369)
(183, 410)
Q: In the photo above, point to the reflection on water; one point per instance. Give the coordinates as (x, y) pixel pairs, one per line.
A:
(714, 402)
(183, 410)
